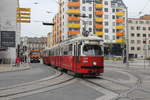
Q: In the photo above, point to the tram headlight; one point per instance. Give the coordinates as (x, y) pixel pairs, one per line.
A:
(94, 63)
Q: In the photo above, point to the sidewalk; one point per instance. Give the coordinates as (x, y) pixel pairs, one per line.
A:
(9, 68)
(137, 64)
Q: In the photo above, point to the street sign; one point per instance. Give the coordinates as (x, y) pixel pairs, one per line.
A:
(8, 39)
(23, 15)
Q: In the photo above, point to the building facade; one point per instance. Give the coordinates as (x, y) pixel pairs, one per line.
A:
(139, 37)
(9, 30)
(34, 43)
(49, 40)
(105, 18)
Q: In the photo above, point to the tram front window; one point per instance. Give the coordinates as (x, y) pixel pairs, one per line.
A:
(92, 50)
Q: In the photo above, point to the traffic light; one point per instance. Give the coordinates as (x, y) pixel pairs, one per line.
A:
(48, 23)
(24, 48)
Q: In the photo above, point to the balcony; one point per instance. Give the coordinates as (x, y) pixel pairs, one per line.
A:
(120, 20)
(98, 26)
(120, 27)
(99, 12)
(120, 40)
(74, 25)
(74, 4)
(99, 19)
(73, 18)
(99, 33)
(120, 13)
(73, 32)
(99, 5)
(120, 34)
(73, 11)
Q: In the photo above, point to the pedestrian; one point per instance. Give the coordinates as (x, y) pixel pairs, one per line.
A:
(18, 60)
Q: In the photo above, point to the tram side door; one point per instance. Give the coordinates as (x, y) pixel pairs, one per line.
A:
(76, 56)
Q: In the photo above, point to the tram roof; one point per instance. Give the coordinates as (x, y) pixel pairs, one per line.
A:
(93, 37)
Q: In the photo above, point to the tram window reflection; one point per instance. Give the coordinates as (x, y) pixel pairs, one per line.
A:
(92, 50)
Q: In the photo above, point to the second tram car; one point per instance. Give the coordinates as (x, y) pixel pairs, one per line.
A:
(82, 56)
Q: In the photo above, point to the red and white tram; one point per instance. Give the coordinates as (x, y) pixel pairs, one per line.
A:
(82, 55)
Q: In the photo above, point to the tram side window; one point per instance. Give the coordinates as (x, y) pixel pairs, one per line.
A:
(70, 50)
(52, 53)
(49, 53)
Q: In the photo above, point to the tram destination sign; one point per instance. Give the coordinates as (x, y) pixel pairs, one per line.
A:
(8, 39)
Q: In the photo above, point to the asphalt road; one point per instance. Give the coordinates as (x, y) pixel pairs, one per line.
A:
(120, 80)
(74, 91)
(38, 71)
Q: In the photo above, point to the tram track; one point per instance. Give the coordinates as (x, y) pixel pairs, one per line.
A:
(137, 85)
(33, 82)
(36, 86)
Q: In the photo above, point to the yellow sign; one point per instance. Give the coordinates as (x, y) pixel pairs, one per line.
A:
(23, 21)
(23, 15)
(24, 9)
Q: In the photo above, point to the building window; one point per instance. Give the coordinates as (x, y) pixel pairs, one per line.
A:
(138, 41)
(84, 9)
(144, 28)
(141, 22)
(106, 23)
(106, 16)
(144, 35)
(83, 1)
(106, 2)
(90, 29)
(148, 35)
(90, 8)
(132, 34)
(90, 22)
(113, 17)
(114, 24)
(138, 27)
(114, 30)
(113, 10)
(138, 35)
(106, 37)
(106, 30)
(90, 15)
(132, 48)
(147, 22)
(132, 28)
(114, 37)
(149, 28)
(138, 48)
(132, 42)
(130, 21)
(106, 9)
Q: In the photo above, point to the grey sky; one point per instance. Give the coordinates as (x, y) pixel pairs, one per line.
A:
(39, 13)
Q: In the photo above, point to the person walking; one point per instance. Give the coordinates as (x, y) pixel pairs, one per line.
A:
(18, 60)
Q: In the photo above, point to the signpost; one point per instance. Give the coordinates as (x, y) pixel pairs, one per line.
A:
(8, 39)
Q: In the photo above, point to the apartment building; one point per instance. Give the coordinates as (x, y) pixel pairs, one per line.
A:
(139, 37)
(105, 18)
